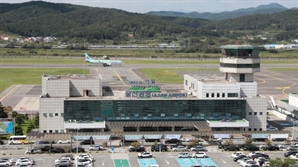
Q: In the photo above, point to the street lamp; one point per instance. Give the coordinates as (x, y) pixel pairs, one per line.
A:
(77, 145)
(293, 132)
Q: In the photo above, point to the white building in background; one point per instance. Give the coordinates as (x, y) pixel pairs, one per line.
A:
(238, 65)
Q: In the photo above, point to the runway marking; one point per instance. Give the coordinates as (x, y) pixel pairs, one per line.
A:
(9, 93)
(120, 78)
(285, 87)
(263, 81)
(112, 83)
(136, 75)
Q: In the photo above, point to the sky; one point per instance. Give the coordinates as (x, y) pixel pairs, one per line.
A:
(143, 6)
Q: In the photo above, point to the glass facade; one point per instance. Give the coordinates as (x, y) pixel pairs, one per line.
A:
(240, 65)
(147, 110)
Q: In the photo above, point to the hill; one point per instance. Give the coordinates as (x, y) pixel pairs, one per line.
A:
(262, 9)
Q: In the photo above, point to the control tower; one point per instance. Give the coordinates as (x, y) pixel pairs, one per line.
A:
(238, 64)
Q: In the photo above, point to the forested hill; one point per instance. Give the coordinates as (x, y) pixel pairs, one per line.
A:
(38, 18)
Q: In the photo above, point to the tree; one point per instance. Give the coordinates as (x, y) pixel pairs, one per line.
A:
(14, 114)
(30, 127)
(26, 117)
(135, 144)
(248, 141)
(268, 142)
(19, 119)
(36, 121)
(194, 142)
(3, 114)
(18, 130)
(229, 142)
(286, 163)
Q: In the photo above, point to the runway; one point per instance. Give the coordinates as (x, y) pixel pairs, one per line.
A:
(277, 84)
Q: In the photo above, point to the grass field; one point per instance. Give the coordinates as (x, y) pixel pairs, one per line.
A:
(9, 76)
(283, 69)
(170, 75)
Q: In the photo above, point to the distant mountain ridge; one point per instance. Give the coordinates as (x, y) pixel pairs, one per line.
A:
(262, 9)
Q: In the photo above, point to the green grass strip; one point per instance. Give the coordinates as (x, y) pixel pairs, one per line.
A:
(283, 69)
(12, 76)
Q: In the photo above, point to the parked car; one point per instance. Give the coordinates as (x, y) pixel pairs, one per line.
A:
(97, 148)
(236, 154)
(77, 149)
(239, 157)
(145, 155)
(198, 148)
(271, 148)
(231, 148)
(295, 156)
(199, 155)
(180, 148)
(46, 148)
(63, 142)
(87, 142)
(33, 151)
(272, 129)
(283, 146)
(176, 145)
(152, 140)
(184, 139)
(287, 154)
(136, 149)
(251, 148)
(57, 150)
(159, 147)
(1, 142)
(292, 148)
(172, 141)
(184, 155)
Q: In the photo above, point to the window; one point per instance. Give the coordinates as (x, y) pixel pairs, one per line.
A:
(223, 94)
(242, 77)
(255, 129)
(56, 114)
(261, 113)
(218, 95)
(255, 113)
(51, 131)
(50, 114)
(249, 129)
(260, 129)
(232, 94)
(249, 113)
(149, 115)
(136, 115)
(62, 114)
(45, 114)
(44, 131)
(176, 115)
(207, 94)
(56, 131)
(185, 82)
(62, 131)
(212, 95)
(162, 115)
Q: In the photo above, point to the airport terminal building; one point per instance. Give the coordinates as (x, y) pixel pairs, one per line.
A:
(207, 103)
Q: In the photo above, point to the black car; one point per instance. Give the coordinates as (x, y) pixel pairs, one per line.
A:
(74, 150)
(57, 150)
(223, 146)
(1, 142)
(172, 141)
(159, 147)
(47, 142)
(231, 148)
(260, 155)
(152, 140)
(46, 148)
(271, 148)
(137, 149)
(251, 148)
(287, 154)
(87, 142)
(239, 157)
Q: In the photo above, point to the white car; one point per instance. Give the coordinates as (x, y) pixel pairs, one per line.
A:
(63, 142)
(23, 162)
(250, 162)
(272, 129)
(184, 139)
(294, 156)
(26, 158)
(145, 155)
(96, 148)
(283, 146)
(83, 161)
(184, 155)
(10, 160)
(199, 155)
(5, 163)
(180, 148)
(244, 162)
(236, 154)
(57, 161)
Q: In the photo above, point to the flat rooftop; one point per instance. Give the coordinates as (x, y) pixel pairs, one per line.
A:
(72, 77)
(212, 79)
(238, 47)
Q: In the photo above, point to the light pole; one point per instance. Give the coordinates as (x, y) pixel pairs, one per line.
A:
(77, 145)
(293, 132)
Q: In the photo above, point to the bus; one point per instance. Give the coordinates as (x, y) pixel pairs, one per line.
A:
(17, 140)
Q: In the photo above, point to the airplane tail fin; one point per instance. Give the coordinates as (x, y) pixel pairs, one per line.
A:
(87, 57)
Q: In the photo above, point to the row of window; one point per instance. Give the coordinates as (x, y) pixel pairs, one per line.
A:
(222, 95)
(240, 65)
(53, 131)
(51, 114)
(255, 113)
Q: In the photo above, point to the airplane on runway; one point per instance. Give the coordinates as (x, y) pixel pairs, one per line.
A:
(103, 62)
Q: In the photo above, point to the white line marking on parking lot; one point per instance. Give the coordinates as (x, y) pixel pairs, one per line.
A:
(44, 161)
(223, 161)
(167, 162)
(103, 164)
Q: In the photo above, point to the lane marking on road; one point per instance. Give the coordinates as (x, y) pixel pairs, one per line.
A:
(167, 162)
(9, 93)
(223, 161)
(136, 75)
(102, 164)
